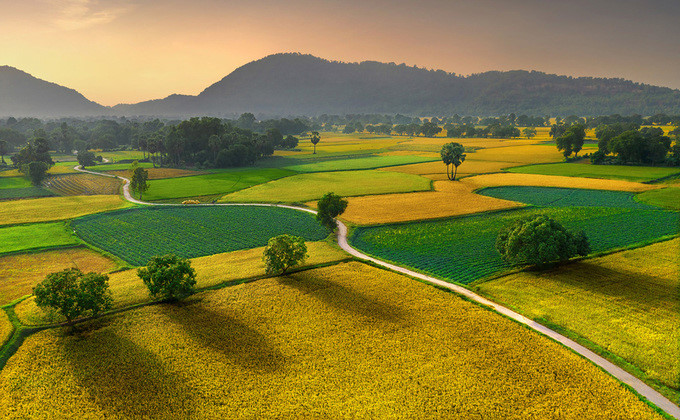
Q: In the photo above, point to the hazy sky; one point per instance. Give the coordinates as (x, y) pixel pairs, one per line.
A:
(116, 51)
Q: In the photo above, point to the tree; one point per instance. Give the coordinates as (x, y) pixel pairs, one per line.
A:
(315, 138)
(283, 252)
(452, 154)
(86, 158)
(138, 182)
(72, 293)
(329, 207)
(3, 151)
(290, 142)
(529, 132)
(540, 240)
(572, 140)
(36, 172)
(168, 277)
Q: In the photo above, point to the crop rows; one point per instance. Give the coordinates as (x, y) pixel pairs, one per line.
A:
(565, 197)
(83, 184)
(139, 234)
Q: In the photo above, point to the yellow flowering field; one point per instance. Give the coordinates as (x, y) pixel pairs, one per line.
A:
(626, 302)
(532, 180)
(20, 273)
(343, 341)
(5, 327)
(449, 199)
(128, 289)
(57, 208)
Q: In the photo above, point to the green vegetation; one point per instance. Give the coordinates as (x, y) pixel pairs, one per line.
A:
(217, 183)
(307, 187)
(328, 208)
(119, 166)
(566, 197)
(628, 173)
(14, 182)
(360, 163)
(137, 235)
(30, 192)
(168, 277)
(35, 236)
(665, 197)
(284, 252)
(452, 154)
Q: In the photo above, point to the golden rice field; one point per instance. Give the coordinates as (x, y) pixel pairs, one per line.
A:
(437, 170)
(525, 154)
(57, 208)
(127, 288)
(531, 180)
(626, 303)
(82, 184)
(159, 173)
(6, 327)
(20, 273)
(311, 186)
(343, 341)
(449, 199)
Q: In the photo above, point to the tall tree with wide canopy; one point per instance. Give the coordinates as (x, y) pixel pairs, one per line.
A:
(453, 154)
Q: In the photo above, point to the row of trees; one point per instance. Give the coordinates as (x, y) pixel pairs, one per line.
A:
(628, 143)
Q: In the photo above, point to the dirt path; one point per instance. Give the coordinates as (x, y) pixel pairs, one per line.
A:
(640, 387)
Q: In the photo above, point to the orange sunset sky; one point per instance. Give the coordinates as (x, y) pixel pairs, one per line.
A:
(123, 51)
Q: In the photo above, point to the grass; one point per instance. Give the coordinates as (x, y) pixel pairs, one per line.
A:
(35, 236)
(218, 183)
(211, 271)
(20, 273)
(192, 231)
(57, 208)
(532, 180)
(83, 184)
(306, 187)
(666, 197)
(565, 197)
(626, 303)
(360, 163)
(14, 182)
(448, 199)
(343, 341)
(626, 173)
(462, 249)
(19, 193)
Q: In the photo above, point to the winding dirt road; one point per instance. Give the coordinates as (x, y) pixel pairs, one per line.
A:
(640, 387)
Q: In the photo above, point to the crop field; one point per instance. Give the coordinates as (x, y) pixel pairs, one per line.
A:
(128, 289)
(361, 163)
(348, 340)
(57, 208)
(192, 231)
(35, 236)
(305, 187)
(523, 154)
(627, 173)
(218, 183)
(438, 169)
(666, 197)
(565, 197)
(335, 143)
(14, 182)
(21, 272)
(448, 199)
(532, 180)
(462, 249)
(159, 173)
(82, 184)
(105, 167)
(626, 303)
(30, 192)
(6, 327)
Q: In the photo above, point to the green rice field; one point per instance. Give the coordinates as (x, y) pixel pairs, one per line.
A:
(627, 173)
(35, 236)
(565, 197)
(361, 163)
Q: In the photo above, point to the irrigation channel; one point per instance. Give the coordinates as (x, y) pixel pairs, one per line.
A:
(640, 387)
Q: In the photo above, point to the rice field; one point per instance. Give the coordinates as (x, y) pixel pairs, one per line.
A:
(583, 170)
(57, 208)
(305, 187)
(35, 236)
(14, 182)
(525, 154)
(82, 184)
(626, 303)
(359, 163)
(533, 180)
(343, 341)
(667, 197)
(20, 193)
(159, 173)
(566, 197)
(437, 170)
(20, 273)
(6, 327)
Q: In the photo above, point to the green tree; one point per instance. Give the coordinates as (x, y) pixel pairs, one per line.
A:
(283, 252)
(73, 294)
(139, 183)
(86, 158)
(329, 207)
(168, 277)
(453, 154)
(36, 172)
(572, 140)
(315, 139)
(4, 149)
(529, 132)
(539, 240)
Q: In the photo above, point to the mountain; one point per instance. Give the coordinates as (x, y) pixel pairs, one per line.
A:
(24, 95)
(296, 84)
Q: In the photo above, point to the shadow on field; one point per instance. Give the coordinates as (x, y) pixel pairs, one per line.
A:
(124, 379)
(341, 297)
(227, 335)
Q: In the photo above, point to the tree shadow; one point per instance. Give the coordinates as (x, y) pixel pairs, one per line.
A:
(341, 297)
(123, 378)
(227, 335)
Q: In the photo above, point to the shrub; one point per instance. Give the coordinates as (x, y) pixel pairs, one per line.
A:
(329, 207)
(73, 293)
(168, 277)
(538, 241)
(283, 252)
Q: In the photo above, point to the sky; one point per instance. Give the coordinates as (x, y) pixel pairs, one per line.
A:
(126, 51)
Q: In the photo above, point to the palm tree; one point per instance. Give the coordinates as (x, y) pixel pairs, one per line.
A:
(315, 139)
(452, 154)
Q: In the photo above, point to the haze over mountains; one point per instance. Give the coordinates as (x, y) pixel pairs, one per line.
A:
(296, 84)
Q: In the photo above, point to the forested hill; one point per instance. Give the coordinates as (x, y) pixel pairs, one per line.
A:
(24, 95)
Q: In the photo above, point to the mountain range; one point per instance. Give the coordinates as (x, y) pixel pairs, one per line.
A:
(297, 84)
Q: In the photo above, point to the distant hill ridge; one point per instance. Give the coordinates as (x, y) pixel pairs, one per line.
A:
(300, 84)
